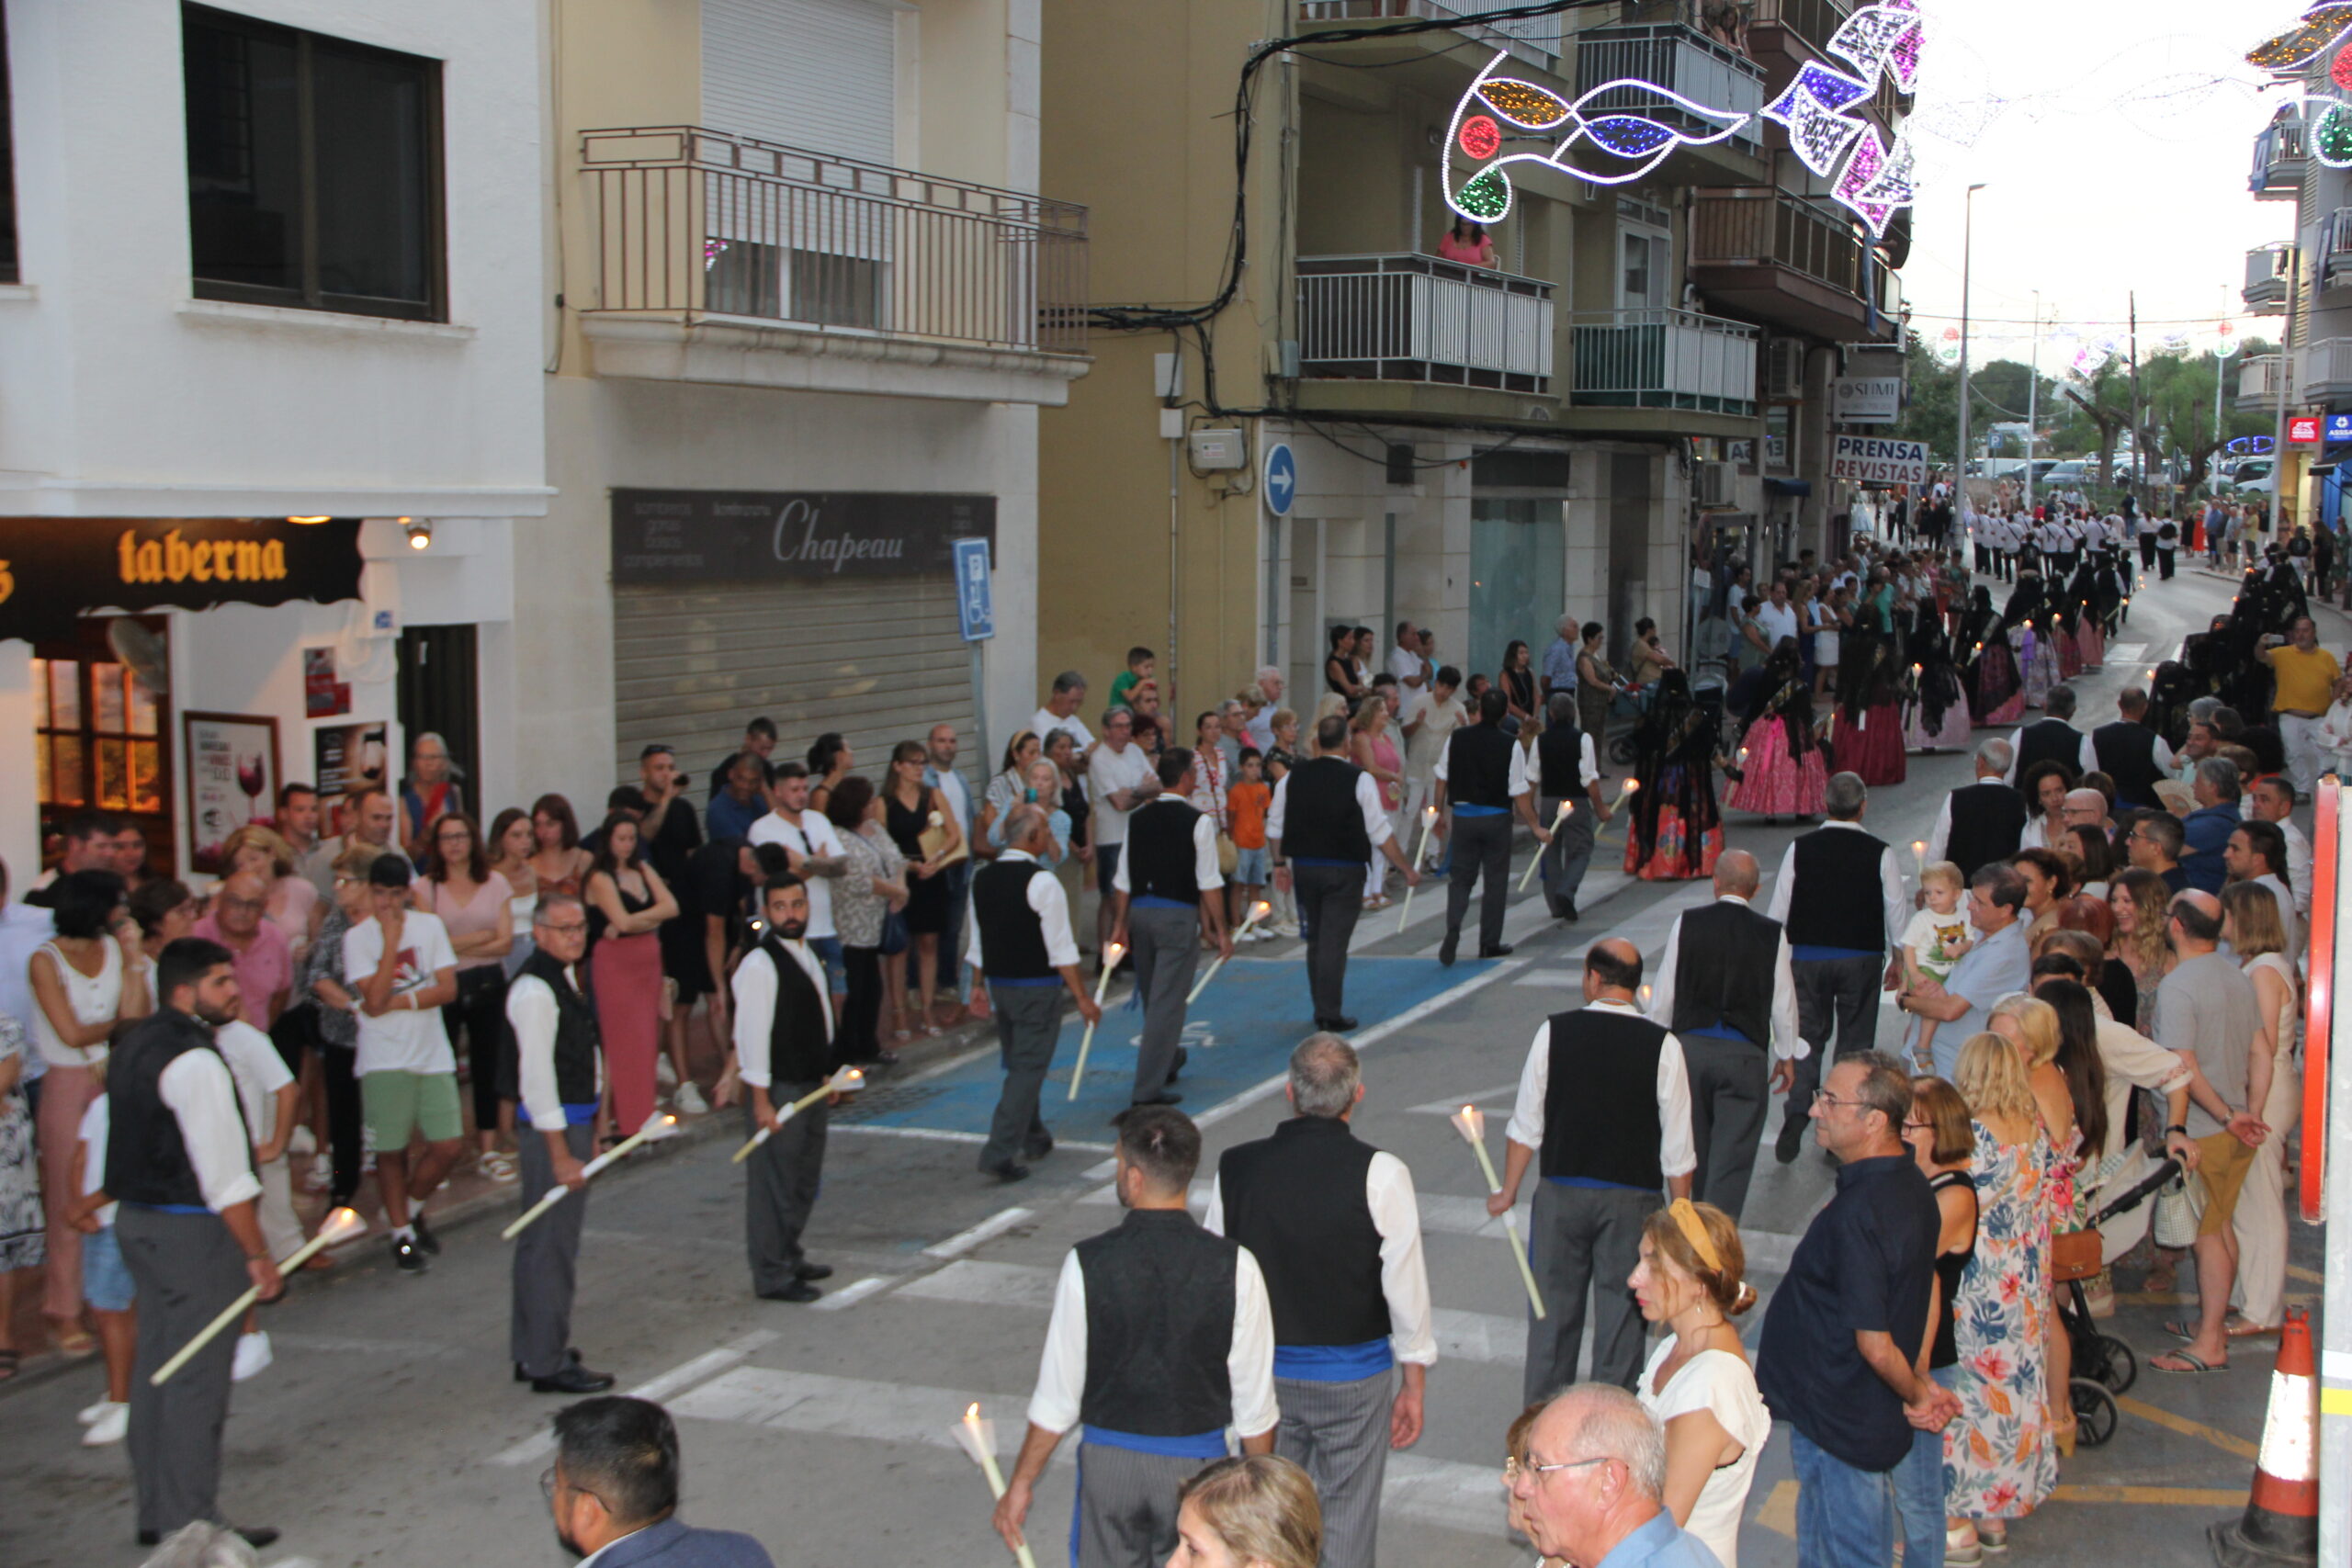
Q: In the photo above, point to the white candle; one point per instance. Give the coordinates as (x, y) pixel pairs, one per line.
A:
(1111, 956)
(849, 1080)
(660, 1127)
(1258, 911)
(1429, 820)
(339, 1226)
(1566, 807)
(1471, 1123)
(978, 1438)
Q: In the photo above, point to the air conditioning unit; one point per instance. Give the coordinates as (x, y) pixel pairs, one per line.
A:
(1784, 370)
(1712, 482)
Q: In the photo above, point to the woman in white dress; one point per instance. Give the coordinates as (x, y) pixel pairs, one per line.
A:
(1697, 1381)
(2250, 924)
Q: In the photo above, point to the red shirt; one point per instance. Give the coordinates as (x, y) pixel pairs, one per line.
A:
(264, 967)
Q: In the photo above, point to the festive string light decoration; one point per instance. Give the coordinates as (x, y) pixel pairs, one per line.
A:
(1812, 110)
(2331, 136)
(2302, 43)
(1947, 347)
(1636, 143)
(1875, 179)
(1862, 169)
(1882, 37)
(1895, 186)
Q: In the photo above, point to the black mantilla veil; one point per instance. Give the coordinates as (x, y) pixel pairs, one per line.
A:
(1937, 685)
(1674, 759)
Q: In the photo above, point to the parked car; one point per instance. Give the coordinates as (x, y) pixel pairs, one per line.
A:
(2070, 474)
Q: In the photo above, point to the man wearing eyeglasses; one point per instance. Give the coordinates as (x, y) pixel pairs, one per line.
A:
(258, 949)
(2156, 844)
(558, 1076)
(1840, 1356)
(1593, 1486)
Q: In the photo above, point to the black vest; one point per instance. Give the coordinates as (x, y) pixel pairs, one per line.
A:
(1839, 900)
(1296, 1201)
(1724, 971)
(147, 1159)
(1601, 1116)
(1988, 822)
(577, 1043)
(1159, 859)
(2127, 753)
(1012, 939)
(1477, 766)
(1320, 818)
(1559, 759)
(1158, 1326)
(800, 1045)
(2048, 740)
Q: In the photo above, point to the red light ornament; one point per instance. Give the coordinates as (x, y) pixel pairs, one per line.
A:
(2341, 71)
(1481, 137)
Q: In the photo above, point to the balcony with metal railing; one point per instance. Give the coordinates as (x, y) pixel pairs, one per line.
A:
(2278, 162)
(1685, 60)
(1774, 258)
(2324, 371)
(1534, 40)
(1403, 317)
(1662, 359)
(2264, 293)
(2258, 382)
(719, 258)
(2334, 251)
(1788, 32)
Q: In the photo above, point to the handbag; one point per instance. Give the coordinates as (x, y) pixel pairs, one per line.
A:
(2076, 1255)
(2180, 1208)
(1227, 856)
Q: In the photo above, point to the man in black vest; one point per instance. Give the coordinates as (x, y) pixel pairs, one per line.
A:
(2050, 739)
(1161, 1337)
(1567, 773)
(1023, 946)
(2131, 753)
(1605, 1114)
(1158, 913)
(1840, 897)
(1322, 830)
(557, 1070)
(1981, 822)
(784, 1044)
(1482, 773)
(1728, 991)
(180, 1163)
(1337, 1234)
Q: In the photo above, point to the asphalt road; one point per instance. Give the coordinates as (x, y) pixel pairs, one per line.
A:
(389, 1431)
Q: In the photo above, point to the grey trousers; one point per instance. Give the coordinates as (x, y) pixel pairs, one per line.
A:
(1331, 901)
(546, 1255)
(1586, 1241)
(1833, 994)
(1730, 1088)
(1570, 853)
(1167, 954)
(1028, 1021)
(782, 1178)
(1481, 848)
(186, 1268)
(1126, 1506)
(1338, 1433)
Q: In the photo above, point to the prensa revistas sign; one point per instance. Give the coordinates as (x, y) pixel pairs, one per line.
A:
(679, 537)
(1872, 459)
(53, 569)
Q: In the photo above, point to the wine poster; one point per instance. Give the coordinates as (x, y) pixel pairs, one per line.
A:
(232, 778)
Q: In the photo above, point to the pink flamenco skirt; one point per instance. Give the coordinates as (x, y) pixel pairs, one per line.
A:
(627, 975)
(1679, 855)
(1872, 749)
(2091, 643)
(2070, 655)
(1953, 735)
(1777, 784)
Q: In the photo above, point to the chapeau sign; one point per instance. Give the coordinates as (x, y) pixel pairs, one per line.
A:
(680, 537)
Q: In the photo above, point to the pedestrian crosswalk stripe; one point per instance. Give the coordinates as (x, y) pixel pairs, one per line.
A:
(658, 1389)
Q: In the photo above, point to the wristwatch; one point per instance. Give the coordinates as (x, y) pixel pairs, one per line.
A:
(2180, 1127)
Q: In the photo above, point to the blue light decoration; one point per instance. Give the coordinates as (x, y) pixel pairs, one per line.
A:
(1634, 144)
(1812, 112)
(1875, 180)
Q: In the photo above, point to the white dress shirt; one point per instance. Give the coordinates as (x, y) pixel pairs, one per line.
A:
(1677, 1155)
(199, 1089)
(755, 991)
(531, 1014)
(1778, 620)
(1895, 901)
(1939, 837)
(1376, 817)
(1044, 721)
(1404, 1274)
(1406, 665)
(1248, 1362)
(1786, 1043)
(812, 836)
(1520, 781)
(1205, 875)
(1052, 904)
(2085, 755)
(2298, 865)
(1108, 770)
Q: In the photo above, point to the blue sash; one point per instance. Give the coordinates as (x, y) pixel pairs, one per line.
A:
(1333, 1363)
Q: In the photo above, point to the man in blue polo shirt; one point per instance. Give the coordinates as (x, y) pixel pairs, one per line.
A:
(2208, 829)
(1840, 1359)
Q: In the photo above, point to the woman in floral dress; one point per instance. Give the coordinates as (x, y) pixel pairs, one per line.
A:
(23, 1242)
(1998, 1460)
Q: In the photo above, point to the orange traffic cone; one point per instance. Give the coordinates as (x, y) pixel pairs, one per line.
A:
(2281, 1522)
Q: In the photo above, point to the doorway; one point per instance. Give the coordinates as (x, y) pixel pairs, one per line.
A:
(440, 692)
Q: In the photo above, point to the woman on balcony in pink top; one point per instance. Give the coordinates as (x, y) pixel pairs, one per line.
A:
(1469, 242)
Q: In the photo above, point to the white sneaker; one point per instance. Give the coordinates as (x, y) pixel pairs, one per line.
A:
(689, 1100)
(90, 1412)
(302, 1141)
(665, 1075)
(112, 1425)
(253, 1356)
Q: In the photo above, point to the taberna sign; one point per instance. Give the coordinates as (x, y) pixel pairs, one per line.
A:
(53, 569)
(1866, 399)
(1874, 459)
(679, 537)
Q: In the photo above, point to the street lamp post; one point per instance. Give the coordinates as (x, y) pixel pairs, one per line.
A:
(1967, 249)
(2032, 400)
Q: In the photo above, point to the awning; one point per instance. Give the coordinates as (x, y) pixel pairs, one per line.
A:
(53, 569)
(1789, 487)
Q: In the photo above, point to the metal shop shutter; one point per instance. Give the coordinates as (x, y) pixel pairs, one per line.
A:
(880, 660)
(819, 75)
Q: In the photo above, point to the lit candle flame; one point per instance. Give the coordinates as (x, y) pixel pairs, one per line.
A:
(972, 1413)
(1115, 953)
(1261, 909)
(1429, 813)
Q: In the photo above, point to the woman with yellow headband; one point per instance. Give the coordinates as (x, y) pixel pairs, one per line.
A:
(1697, 1381)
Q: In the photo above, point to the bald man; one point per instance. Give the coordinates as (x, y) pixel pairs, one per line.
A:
(1604, 1112)
(1728, 992)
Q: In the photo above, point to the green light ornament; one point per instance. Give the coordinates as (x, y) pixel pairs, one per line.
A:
(1485, 198)
(2332, 136)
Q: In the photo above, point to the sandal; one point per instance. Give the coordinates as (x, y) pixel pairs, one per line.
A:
(2191, 1365)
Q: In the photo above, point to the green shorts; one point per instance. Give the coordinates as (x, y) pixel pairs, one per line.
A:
(399, 1104)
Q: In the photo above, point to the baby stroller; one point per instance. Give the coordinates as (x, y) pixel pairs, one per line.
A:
(2104, 1365)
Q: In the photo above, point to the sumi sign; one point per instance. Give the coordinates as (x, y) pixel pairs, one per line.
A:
(1872, 459)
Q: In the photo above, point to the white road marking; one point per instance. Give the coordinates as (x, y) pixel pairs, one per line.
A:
(855, 1292)
(977, 1283)
(963, 1241)
(1448, 1107)
(943, 1135)
(1442, 1492)
(658, 1389)
(343, 1344)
